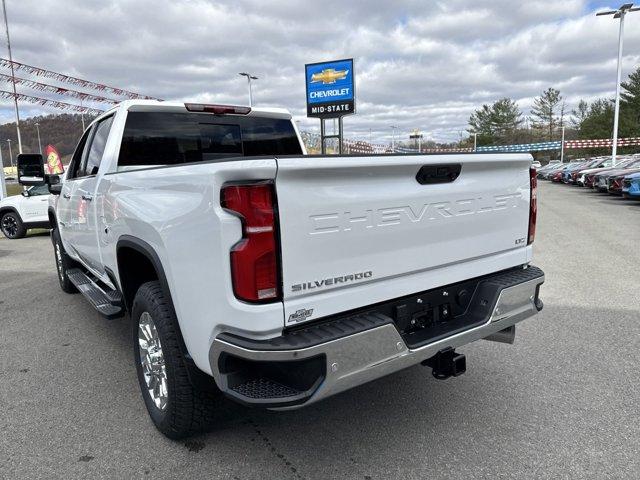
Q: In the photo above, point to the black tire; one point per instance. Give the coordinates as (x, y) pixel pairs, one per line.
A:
(188, 410)
(12, 226)
(63, 263)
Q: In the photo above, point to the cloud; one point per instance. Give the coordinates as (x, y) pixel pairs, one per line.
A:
(419, 64)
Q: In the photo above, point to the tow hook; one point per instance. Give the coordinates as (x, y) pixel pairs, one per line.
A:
(446, 363)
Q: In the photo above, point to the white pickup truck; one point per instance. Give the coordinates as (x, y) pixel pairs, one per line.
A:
(255, 272)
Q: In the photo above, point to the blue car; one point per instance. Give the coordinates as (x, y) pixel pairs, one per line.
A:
(569, 169)
(631, 186)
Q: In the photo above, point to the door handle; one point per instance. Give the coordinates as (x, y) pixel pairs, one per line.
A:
(87, 197)
(66, 195)
(430, 174)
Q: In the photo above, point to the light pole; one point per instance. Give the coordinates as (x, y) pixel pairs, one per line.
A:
(475, 141)
(249, 78)
(393, 138)
(13, 77)
(10, 152)
(82, 114)
(562, 147)
(3, 183)
(619, 13)
(39, 142)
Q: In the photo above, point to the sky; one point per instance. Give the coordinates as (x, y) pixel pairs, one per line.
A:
(418, 64)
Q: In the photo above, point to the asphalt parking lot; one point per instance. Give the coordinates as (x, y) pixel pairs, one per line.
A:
(562, 402)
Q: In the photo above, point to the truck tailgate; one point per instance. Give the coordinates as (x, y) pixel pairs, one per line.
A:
(360, 230)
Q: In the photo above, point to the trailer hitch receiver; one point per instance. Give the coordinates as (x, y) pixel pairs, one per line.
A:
(446, 363)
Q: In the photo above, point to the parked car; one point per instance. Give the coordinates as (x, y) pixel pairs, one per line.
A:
(548, 173)
(601, 178)
(255, 273)
(615, 182)
(631, 186)
(575, 174)
(19, 213)
(569, 169)
(586, 176)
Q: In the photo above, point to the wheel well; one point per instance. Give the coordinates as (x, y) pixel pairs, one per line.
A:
(9, 209)
(134, 269)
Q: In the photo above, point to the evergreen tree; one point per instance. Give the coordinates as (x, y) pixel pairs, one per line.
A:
(630, 105)
(496, 123)
(546, 110)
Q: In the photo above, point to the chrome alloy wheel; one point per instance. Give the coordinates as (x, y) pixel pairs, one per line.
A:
(9, 226)
(152, 361)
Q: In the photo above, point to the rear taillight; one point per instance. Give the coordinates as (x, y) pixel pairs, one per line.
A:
(533, 205)
(254, 259)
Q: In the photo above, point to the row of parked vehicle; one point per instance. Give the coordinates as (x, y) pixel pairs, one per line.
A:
(599, 173)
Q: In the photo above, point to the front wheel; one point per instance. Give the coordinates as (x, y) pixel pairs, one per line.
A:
(12, 226)
(176, 407)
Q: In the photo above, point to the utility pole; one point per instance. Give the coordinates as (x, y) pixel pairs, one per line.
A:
(10, 153)
(619, 13)
(39, 142)
(393, 138)
(81, 115)
(249, 78)
(13, 76)
(3, 183)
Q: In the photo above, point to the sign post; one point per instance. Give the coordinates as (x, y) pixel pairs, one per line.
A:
(330, 88)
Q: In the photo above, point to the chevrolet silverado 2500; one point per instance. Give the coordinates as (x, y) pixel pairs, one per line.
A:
(255, 272)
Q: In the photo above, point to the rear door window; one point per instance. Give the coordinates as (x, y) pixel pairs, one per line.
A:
(166, 138)
(96, 150)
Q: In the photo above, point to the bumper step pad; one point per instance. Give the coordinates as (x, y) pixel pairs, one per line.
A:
(264, 388)
(107, 302)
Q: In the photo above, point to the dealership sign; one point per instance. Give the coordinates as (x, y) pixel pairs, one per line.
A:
(330, 89)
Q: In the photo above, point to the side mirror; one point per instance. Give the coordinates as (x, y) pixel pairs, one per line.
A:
(25, 193)
(30, 169)
(55, 187)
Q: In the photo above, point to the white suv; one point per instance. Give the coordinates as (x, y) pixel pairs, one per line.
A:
(18, 213)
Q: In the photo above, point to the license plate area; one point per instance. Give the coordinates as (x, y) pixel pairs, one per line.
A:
(438, 313)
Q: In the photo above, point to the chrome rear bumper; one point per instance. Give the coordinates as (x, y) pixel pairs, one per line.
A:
(365, 356)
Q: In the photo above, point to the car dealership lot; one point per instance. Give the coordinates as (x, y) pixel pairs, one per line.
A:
(561, 402)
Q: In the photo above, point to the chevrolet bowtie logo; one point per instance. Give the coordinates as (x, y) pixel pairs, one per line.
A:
(329, 75)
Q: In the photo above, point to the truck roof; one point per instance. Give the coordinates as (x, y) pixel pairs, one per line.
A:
(160, 106)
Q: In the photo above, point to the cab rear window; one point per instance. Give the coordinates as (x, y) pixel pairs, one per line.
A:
(165, 138)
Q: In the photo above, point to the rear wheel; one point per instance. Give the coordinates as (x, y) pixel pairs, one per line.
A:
(63, 263)
(12, 226)
(176, 407)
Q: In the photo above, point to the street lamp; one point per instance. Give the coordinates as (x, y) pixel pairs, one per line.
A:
(39, 142)
(475, 141)
(619, 13)
(10, 152)
(393, 138)
(249, 78)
